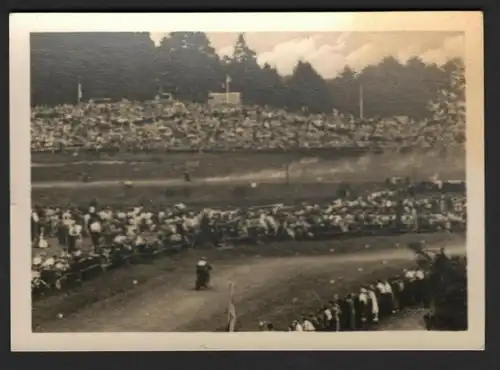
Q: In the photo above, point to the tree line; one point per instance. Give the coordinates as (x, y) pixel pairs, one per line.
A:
(129, 65)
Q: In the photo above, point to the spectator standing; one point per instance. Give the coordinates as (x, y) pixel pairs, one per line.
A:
(349, 312)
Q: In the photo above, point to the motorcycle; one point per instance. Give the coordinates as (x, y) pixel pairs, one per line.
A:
(85, 178)
(202, 280)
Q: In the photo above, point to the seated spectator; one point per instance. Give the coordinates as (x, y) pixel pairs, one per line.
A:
(114, 233)
(135, 126)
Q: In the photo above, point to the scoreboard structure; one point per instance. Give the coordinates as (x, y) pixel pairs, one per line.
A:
(232, 98)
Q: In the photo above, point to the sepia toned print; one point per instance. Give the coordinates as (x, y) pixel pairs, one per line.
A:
(244, 183)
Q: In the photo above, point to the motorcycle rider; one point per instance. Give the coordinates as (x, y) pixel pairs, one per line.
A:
(203, 269)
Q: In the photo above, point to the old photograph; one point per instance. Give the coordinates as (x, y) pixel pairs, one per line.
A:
(197, 179)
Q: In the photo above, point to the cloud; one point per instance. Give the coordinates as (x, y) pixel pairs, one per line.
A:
(225, 51)
(325, 58)
(362, 56)
(453, 47)
(330, 52)
(361, 49)
(408, 52)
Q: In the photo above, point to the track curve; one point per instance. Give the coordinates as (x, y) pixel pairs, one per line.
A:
(174, 306)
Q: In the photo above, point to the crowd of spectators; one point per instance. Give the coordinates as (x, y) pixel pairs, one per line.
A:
(365, 308)
(102, 236)
(167, 125)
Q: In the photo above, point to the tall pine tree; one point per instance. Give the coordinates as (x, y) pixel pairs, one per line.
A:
(308, 90)
(245, 72)
(188, 66)
(344, 91)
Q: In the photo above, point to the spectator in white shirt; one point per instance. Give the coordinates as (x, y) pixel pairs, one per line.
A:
(95, 230)
(391, 298)
(374, 304)
(364, 306)
(74, 236)
(297, 326)
(308, 325)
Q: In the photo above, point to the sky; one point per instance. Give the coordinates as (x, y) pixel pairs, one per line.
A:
(330, 52)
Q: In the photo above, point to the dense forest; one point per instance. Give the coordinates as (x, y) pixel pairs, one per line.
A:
(129, 65)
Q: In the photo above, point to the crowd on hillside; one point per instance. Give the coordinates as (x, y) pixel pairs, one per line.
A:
(365, 308)
(160, 125)
(105, 236)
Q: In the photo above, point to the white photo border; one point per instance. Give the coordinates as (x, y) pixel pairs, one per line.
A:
(21, 25)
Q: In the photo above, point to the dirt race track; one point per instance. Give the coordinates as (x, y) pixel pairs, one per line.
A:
(275, 288)
(226, 179)
(249, 166)
(277, 282)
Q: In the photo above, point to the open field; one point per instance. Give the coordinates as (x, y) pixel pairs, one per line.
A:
(275, 282)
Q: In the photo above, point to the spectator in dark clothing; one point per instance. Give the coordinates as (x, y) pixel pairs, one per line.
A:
(314, 320)
(360, 306)
(62, 233)
(397, 289)
(349, 313)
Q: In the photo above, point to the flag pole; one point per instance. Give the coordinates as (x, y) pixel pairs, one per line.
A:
(361, 102)
(79, 91)
(231, 312)
(228, 81)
